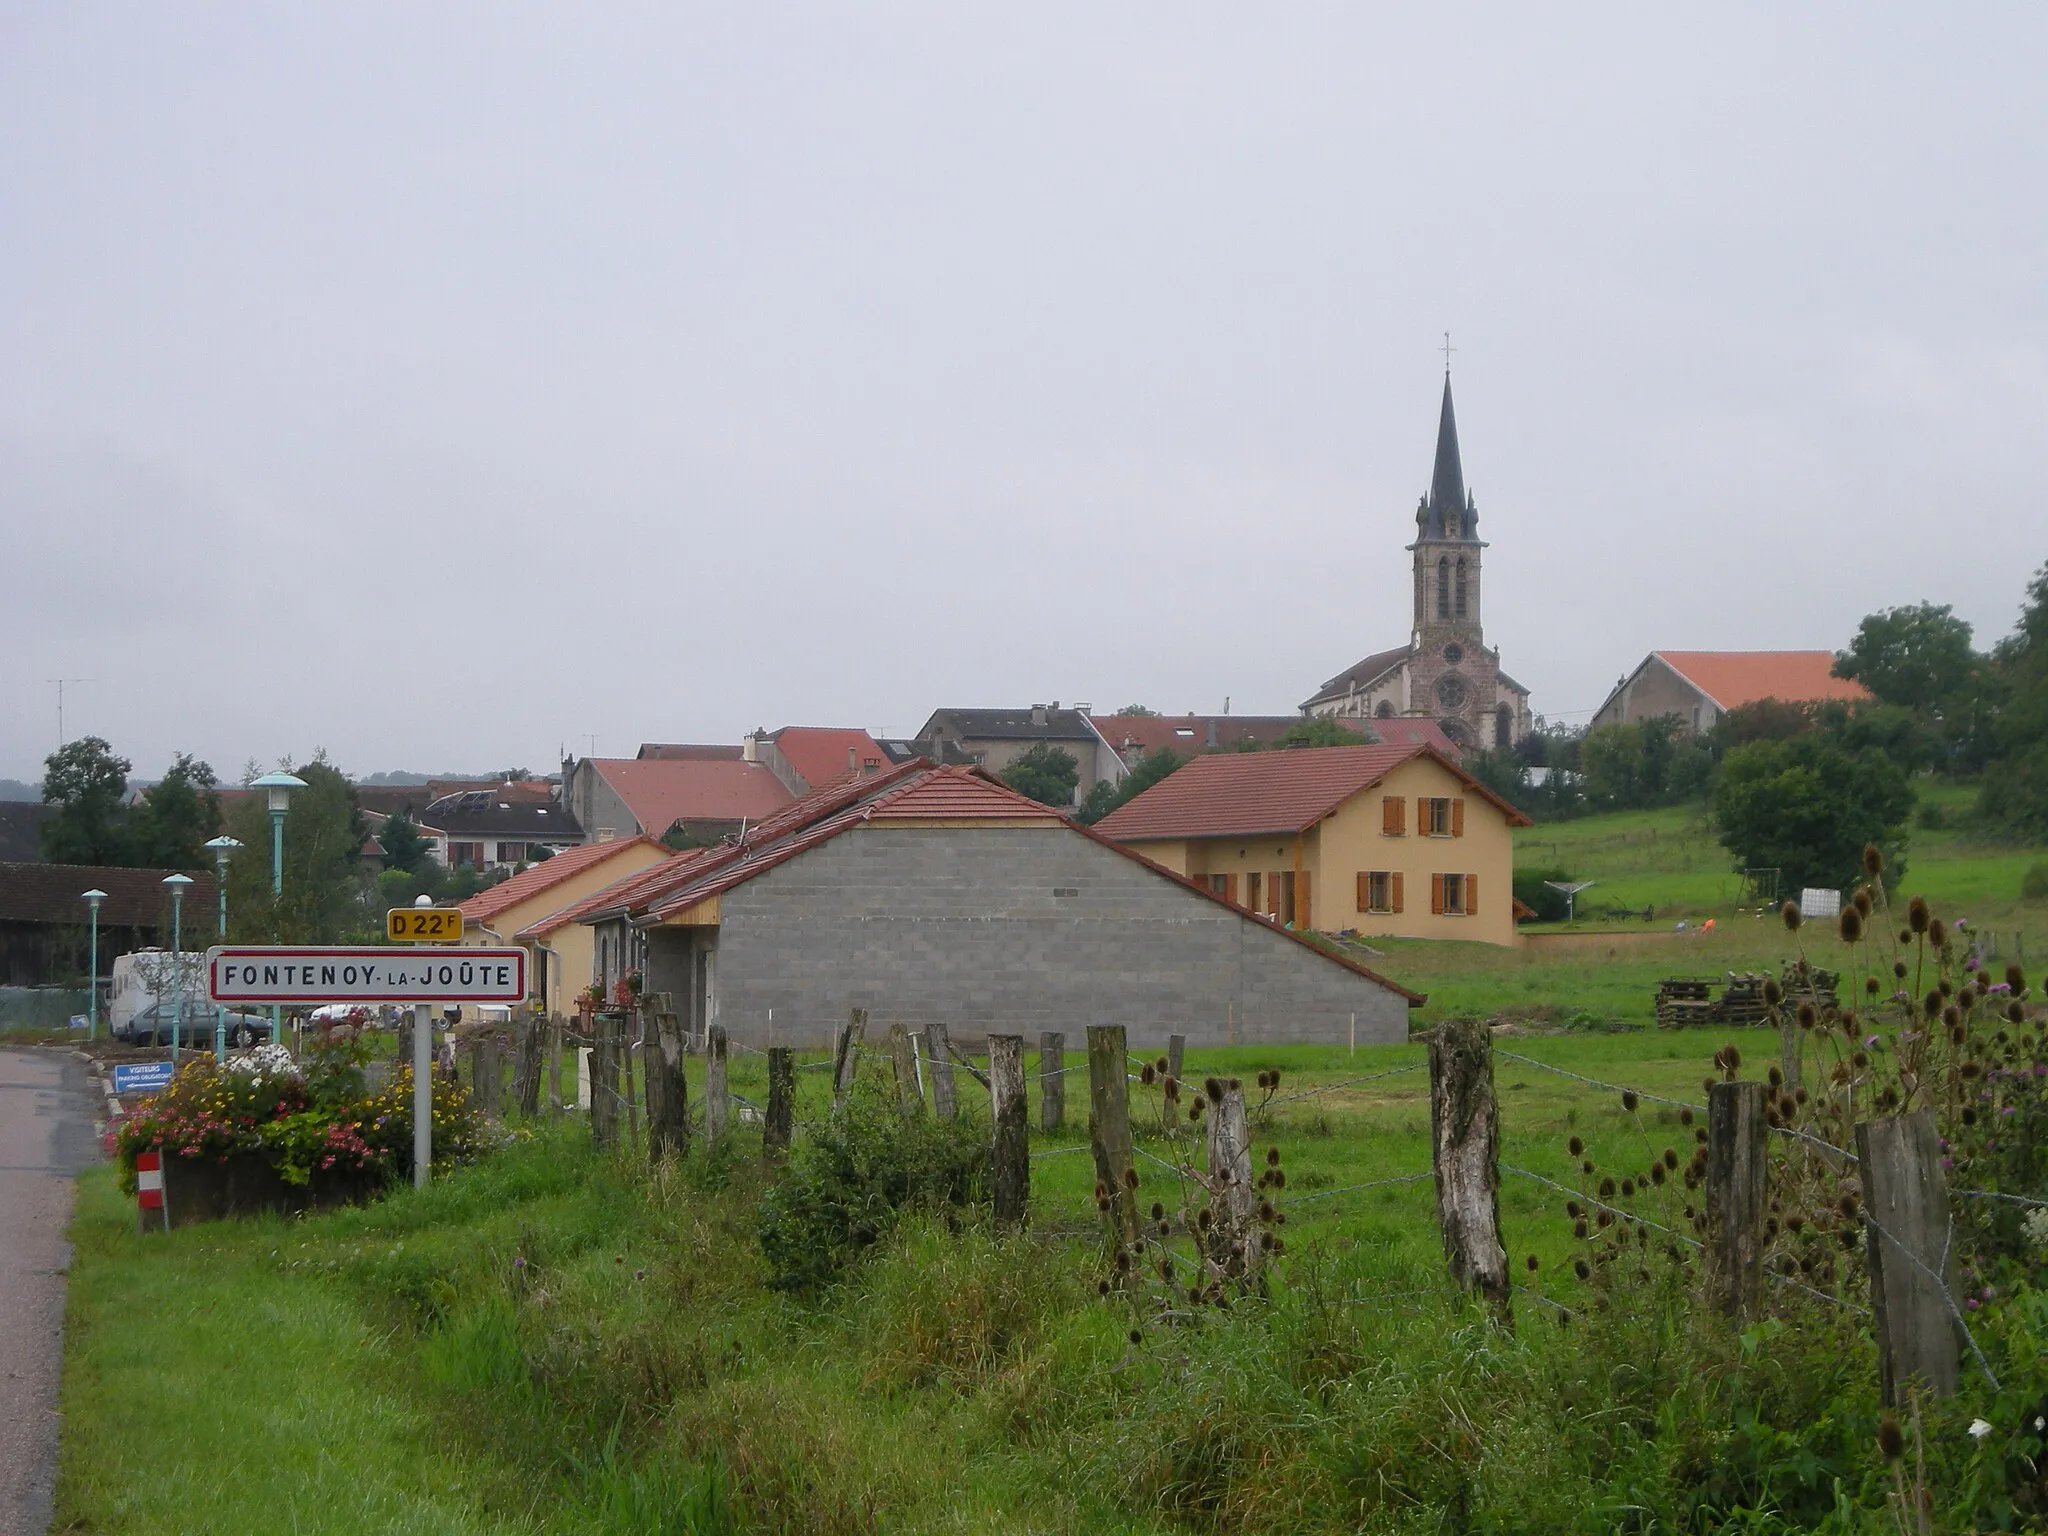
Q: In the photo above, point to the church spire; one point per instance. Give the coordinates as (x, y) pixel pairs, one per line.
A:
(1447, 482)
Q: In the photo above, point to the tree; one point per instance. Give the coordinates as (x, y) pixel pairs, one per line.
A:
(1138, 711)
(1046, 774)
(405, 847)
(1917, 657)
(1105, 797)
(326, 887)
(169, 827)
(86, 782)
(2015, 793)
(1763, 720)
(1808, 808)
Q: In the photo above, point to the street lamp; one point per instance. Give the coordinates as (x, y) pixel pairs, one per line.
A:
(177, 883)
(92, 899)
(278, 787)
(223, 847)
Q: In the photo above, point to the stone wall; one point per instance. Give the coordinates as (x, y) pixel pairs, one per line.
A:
(1017, 930)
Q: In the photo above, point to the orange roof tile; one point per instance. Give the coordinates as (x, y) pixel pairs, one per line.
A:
(819, 753)
(942, 793)
(622, 891)
(663, 791)
(1735, 678)
(1243, 794)
(485, 905)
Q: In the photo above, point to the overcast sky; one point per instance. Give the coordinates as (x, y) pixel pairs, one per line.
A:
(444, 385)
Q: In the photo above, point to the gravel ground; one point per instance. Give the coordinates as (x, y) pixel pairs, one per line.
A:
(46, 1138)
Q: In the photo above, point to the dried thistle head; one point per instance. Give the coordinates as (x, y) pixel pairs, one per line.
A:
(1808, 1015)
(1576, 1147)
(2015, 978)
(1891, 1440)
(1213, 1087)
(1937, 934)
(1931, 1004)
(1861, 901)
(1773, 993)
(1272, 1157)
(1870, 986)
(1792, 916)
(1873, 860)
(1629, 1101)
(1146, 1075)
(1918, 914)
(1851, 925)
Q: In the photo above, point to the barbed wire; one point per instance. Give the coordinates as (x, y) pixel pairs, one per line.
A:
(1057, 1152)
(1614, 1210)
(1791, 1280)
(1821, 1142)
(1329, 1194)
(1595, 1082)
(1939, 1275)
(1993, 1194)
(1351, 1082)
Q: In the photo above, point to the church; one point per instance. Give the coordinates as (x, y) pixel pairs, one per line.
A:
(1445, 672)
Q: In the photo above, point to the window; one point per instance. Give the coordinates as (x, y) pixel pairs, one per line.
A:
(1454, 895)
(511, 853)
(1443, 588)
(1280, 895)
(1461, 586)
(1385, 709)
(460, 854)
(1219, 885)
(1440, 816)
(1251, 891)
(1379, 890)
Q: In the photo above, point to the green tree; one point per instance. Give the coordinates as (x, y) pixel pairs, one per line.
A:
(405, 846)
(2015, 792)
(1139, 711)
(85, 781)
(1808, 808)
(1763, 720)
(1917, 657)
(1611, 758)
(1105, 797)
(327, 890)
(169, 826)
(1046, 774)
(1320, 731)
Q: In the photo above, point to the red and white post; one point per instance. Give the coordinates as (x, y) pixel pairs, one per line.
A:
(149, 1190)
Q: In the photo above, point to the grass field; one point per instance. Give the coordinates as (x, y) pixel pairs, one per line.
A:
(554, 1342)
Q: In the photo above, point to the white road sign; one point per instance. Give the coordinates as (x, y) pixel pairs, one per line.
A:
(311, 977)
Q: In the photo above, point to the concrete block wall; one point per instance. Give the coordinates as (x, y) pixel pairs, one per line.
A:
(1016, 930)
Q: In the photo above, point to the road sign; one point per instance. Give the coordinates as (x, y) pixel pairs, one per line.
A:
(142, 1077)
(310, 977)
(424, 925)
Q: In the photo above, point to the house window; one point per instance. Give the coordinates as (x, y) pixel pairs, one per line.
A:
(1252, 890)
(460, 854)
(1379, 890)
(511, 853)
(1440, 816)
(1219, 885)
(1454, 895)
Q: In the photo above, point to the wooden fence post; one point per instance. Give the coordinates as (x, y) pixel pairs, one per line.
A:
(1233, 1227)
(604, 1098)
(1052, 1080)
(630, 1032)
(781, 1100)
(1737, 1204)
(555, 1063)
(1109, 1126)
(1906, 1200)
(487, 1075)
(526, 1082)
(717, 1103)
(941, 1054)
(1010, 1151)
(1464, 1122)
(1176, 1052)
(846, 1062)
(668, 1086)
(904, 1060)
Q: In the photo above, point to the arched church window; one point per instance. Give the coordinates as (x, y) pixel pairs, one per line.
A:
(1443, 588)
(1461, 586)
(1385, 709)
(1503, 727)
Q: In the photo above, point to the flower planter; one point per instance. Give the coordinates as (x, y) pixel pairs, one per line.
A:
(200, 1189)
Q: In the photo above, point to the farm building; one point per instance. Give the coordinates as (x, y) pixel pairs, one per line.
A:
(1698, 687)
(936, 894)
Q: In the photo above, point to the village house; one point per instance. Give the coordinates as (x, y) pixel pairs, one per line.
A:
(500, 827)
(45, 924)
(559, 962)
(935, 894)
(995, 738)
(1696, 688)
(686, 794)
(1385, 841)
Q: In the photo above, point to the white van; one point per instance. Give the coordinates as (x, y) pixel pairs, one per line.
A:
(144, 977)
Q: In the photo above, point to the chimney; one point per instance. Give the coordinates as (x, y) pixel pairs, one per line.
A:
(1212, 735)
(750, 746)
(1038, 714)
(852, 760)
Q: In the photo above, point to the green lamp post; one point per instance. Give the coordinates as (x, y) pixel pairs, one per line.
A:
(177, 883)
(223, 848)
(278, 788)
(92, 899)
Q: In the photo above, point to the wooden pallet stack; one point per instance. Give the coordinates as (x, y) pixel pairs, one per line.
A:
(1684, 1002)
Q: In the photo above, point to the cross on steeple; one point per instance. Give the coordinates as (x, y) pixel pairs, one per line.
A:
(1447, 350)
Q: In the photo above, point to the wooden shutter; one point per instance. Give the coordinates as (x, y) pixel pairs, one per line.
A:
(1393, 816)
(1230, 888)
(1471, 895)
(1364, 891)
(1422, 827)
(1395, 880)
(1273, 891)
(1303, 911)
(1457, 818)
(1436, 895)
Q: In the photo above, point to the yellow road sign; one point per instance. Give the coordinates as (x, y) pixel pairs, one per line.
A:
(424, 925)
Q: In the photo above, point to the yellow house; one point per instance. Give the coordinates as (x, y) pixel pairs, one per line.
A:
(1393, 841)
(499, 915)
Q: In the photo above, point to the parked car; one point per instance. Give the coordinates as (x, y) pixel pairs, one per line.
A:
(156, 1024)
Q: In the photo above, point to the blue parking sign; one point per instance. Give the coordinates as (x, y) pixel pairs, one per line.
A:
(142, 1077)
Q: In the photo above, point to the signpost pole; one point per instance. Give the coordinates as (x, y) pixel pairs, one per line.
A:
(422, 1092)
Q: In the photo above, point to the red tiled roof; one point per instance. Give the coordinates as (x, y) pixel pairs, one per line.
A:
(1735, 678)
(621, 892)
(530, 882)
(819, 753)
(663, 791)
(1242, 794)
(968, 793)
(679, 751)
(136, 898)
(1409, 731)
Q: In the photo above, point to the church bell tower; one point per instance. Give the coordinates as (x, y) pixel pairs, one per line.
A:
(1452, 672)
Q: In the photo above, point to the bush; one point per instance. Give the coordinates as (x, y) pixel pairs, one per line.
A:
(1532, 891)
(852, 1176)
(2034, 884)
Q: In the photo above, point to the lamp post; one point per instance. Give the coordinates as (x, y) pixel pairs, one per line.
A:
(92, 899)
(223, 847)
(177, 883)
(278, 788)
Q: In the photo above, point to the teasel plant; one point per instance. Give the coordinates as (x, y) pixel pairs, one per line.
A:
(1188, 1256)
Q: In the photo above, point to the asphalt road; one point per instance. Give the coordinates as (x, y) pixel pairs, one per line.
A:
(46, 1138)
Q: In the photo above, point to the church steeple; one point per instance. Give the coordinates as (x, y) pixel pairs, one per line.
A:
(1447, 481)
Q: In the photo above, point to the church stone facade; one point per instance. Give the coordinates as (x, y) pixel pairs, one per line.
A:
(1445, 672)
